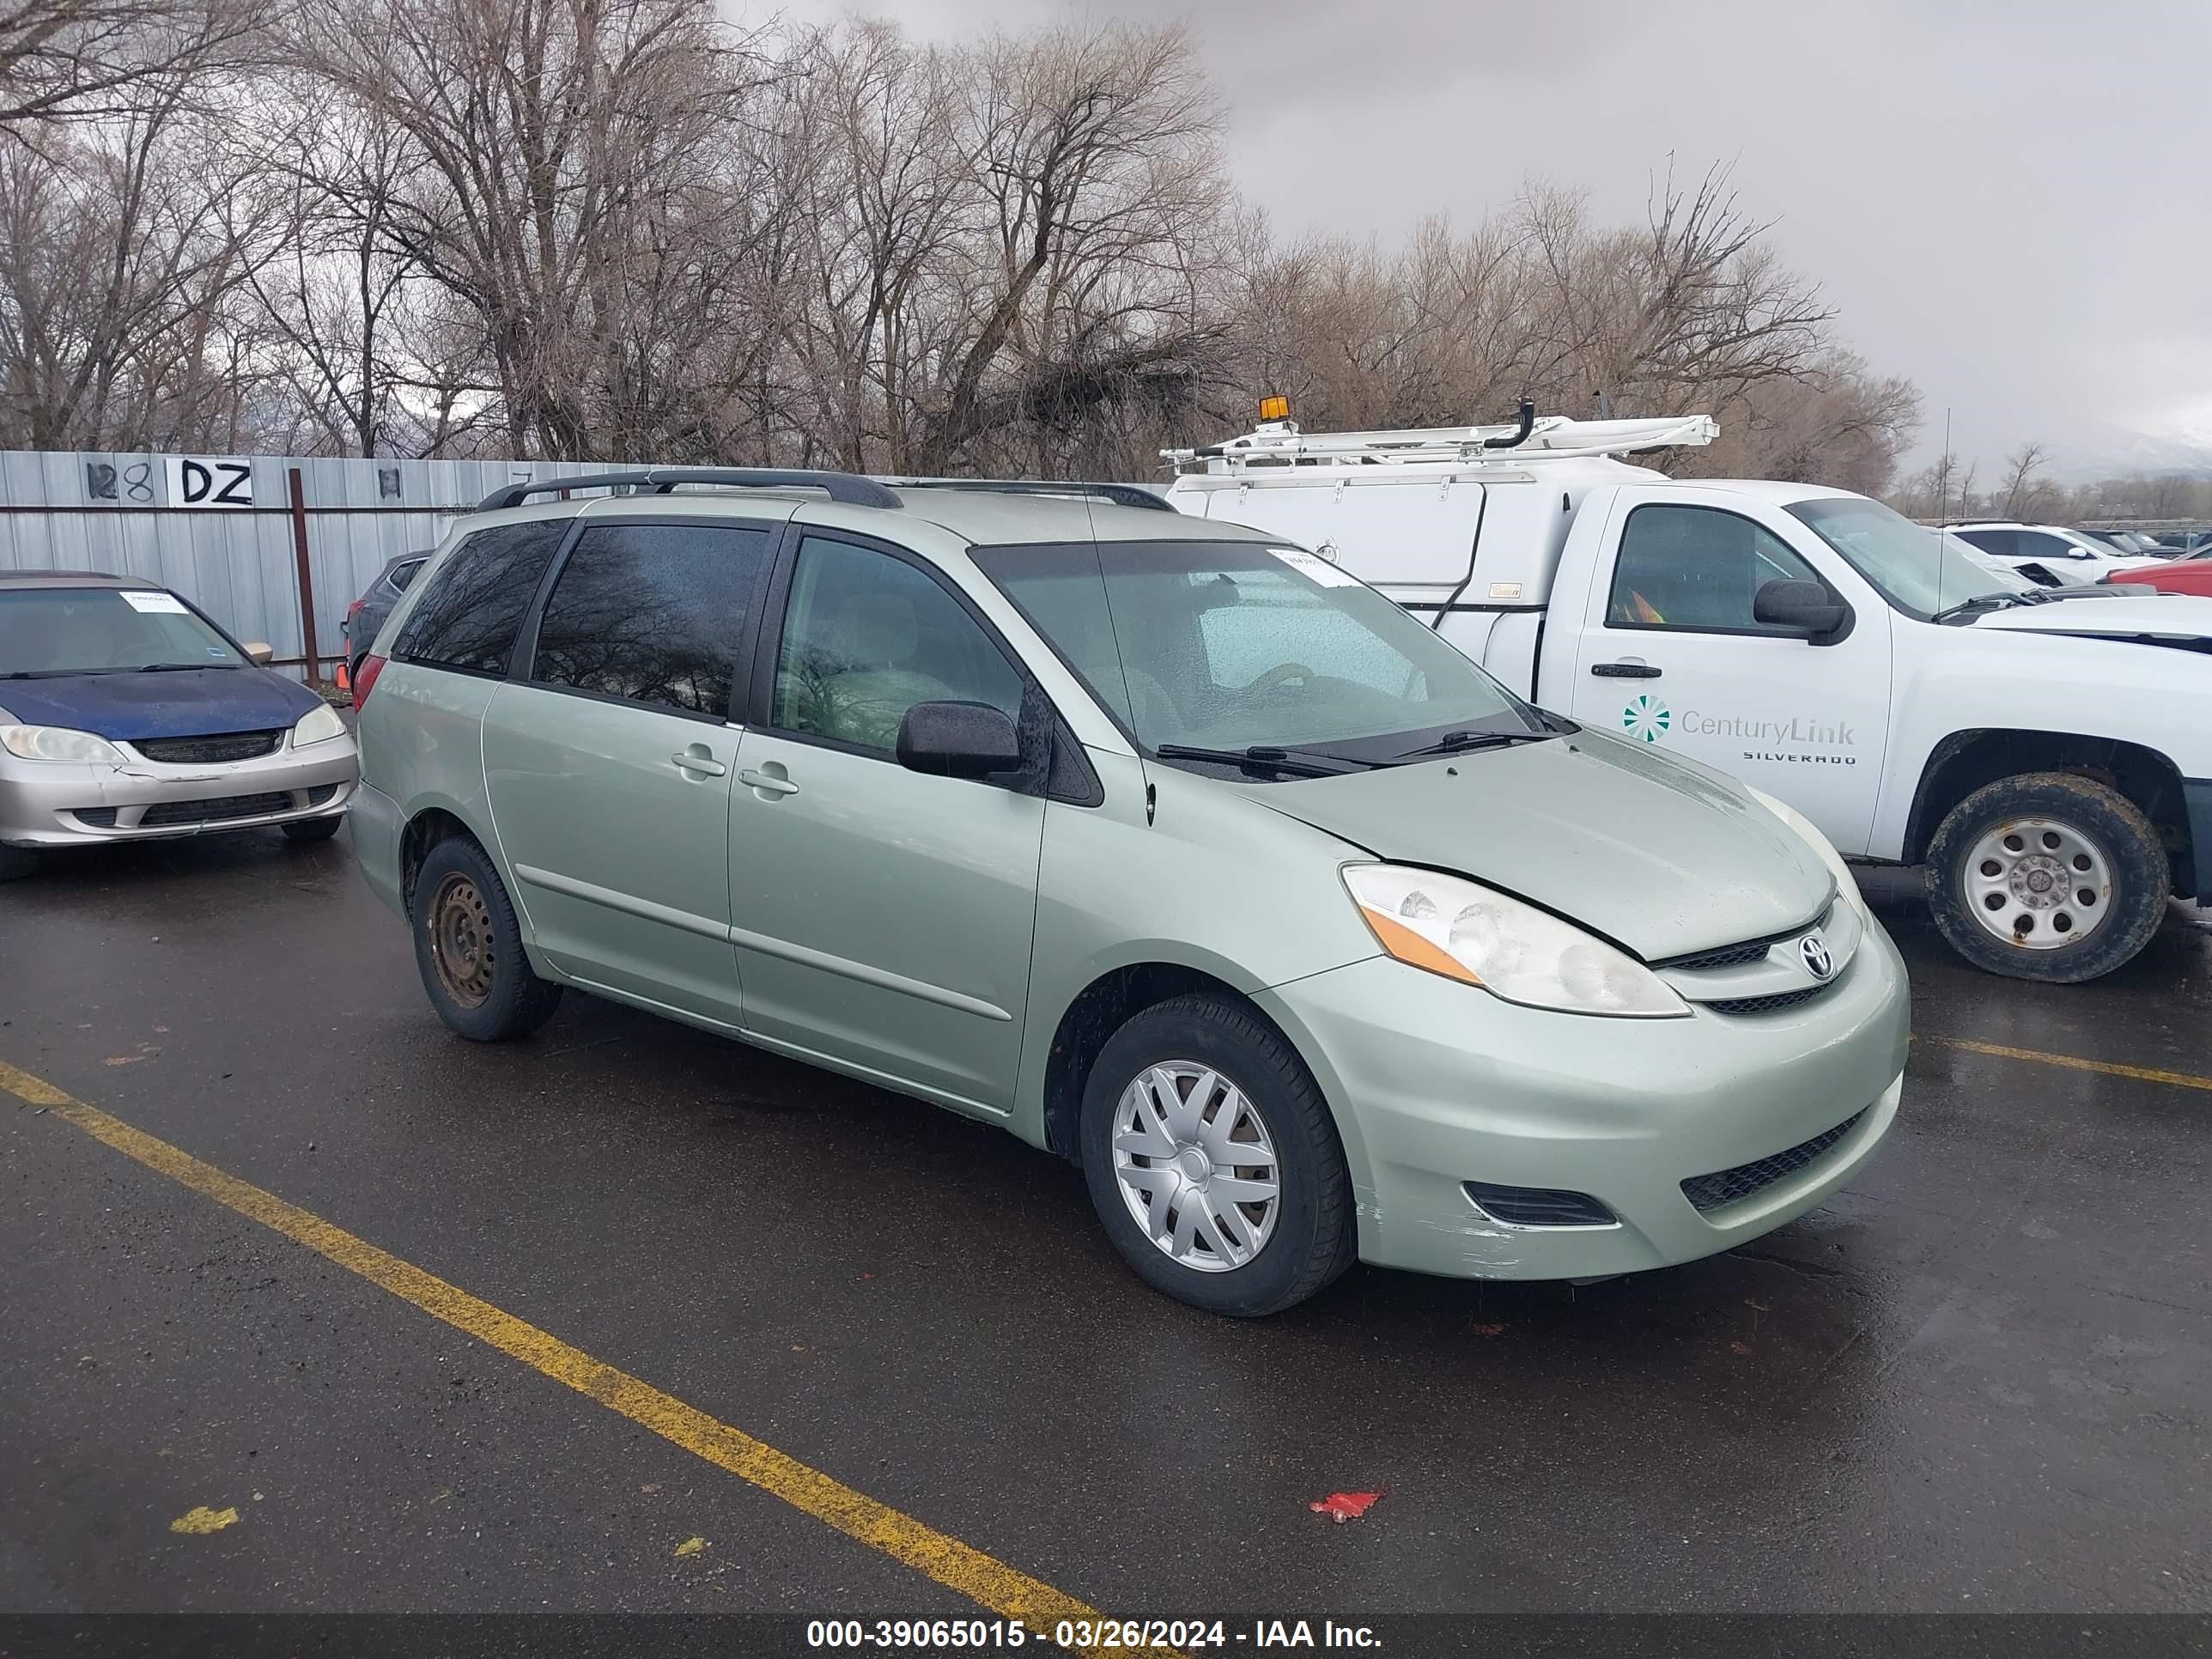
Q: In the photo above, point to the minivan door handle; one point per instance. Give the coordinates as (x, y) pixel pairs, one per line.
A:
(1624, 670)
(768, 783)
(696, 759)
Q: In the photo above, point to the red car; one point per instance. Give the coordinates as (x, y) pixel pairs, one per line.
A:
(2182, 577)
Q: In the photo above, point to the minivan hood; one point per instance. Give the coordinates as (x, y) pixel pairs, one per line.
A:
(1658, 855)
(181, 703)
(2127, 615)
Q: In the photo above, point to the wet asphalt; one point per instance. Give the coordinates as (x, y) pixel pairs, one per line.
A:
(1976, 1380)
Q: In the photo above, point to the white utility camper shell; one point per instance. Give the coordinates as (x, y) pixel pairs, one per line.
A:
(2047, 756)
(1441, 519)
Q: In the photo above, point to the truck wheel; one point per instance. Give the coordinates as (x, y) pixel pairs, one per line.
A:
(468, 947)
(2048, 877)
(1212, 1160)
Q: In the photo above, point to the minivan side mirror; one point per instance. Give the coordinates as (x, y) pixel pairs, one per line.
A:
(958, 740)
(257, 652)
(1807, 607)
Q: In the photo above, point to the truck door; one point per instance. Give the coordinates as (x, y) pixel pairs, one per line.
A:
(1670, 654)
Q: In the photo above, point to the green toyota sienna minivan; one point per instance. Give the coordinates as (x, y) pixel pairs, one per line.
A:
(1174, 849)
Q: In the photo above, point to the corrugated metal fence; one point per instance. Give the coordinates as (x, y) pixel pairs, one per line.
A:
(271, 547)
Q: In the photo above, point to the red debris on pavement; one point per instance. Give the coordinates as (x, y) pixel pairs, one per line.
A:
(1341, 1506)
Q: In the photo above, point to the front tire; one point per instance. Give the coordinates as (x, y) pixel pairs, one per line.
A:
(468, 947)
(1212, 1160)
(2048, 876)
(312, 830)
(16, 862)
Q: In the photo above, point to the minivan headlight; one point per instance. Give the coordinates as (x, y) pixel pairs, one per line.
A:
(317, 725)
(1847, 887)
(1467, 931)
(57, 743)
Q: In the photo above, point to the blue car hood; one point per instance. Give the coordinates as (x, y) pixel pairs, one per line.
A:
(186, 703)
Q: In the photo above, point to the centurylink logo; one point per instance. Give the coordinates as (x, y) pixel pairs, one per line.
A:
(1646, 717)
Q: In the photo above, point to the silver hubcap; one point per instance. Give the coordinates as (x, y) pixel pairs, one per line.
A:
(2038, 883)
(1196, 1165)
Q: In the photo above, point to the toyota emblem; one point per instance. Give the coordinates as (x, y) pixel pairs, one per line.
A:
(1814, 950)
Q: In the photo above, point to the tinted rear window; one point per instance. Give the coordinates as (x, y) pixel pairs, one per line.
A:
(468, 618)
(651, 614)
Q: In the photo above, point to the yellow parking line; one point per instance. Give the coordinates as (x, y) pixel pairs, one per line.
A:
(2072, 1062)
(936, 1555)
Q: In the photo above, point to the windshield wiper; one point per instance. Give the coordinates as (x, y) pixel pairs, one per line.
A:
(54, 673)
(1465, 743)
(1289, 763)
(178, 667)
(1994, 601)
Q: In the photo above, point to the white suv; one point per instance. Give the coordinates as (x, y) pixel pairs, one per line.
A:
(2047, 554)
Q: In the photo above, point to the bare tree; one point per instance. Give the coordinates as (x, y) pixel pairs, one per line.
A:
(2027, 493)
(1094, 157)
(120, 268)
(80, 60)
(1833, 423)
(625, 228)
(561, 157)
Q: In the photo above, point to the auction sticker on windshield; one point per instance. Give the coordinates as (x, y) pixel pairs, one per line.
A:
(164, 604)
(1320, 569)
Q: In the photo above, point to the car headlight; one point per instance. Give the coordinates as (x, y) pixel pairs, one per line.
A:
(317, 725)
(1469, 932)
(57, 743)
(1847, 886)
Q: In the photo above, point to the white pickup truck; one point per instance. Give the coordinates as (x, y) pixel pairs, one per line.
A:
(2046, 755)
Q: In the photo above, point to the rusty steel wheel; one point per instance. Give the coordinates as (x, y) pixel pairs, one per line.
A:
(468, 947)
(461, 940)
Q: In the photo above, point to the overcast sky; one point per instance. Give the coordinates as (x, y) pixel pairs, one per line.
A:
(2010, 200)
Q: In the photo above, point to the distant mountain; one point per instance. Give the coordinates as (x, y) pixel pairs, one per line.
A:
(2099, 451)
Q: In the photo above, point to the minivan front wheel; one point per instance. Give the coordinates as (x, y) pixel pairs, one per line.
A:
(1212, 1161)
(468, 948)
(2048, 876)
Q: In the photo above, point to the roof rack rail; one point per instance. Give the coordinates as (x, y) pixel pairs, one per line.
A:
(848, 487)
(1553, 437)
(1121, 494)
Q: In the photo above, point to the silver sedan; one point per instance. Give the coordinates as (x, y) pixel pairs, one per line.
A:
(126, 714)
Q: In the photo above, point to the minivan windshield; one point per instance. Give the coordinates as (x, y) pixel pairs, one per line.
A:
(46, 632)
(1918, 569)
(1231, 645)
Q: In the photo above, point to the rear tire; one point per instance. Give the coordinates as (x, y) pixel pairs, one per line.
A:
(468, 947)
(314, 828)
(17, 862)
(1256, 1257)
(2048, 876)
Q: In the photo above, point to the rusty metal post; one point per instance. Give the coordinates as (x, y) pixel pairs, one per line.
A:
(307, 576)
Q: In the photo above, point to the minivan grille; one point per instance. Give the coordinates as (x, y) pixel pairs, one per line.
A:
(215, 810)
(1765, 1004)
(1749, 950)
(97, 818)
(210, 751)
(1732, 956)
(1724, 1187)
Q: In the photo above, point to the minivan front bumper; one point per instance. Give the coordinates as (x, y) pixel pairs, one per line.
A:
(1436, 1083)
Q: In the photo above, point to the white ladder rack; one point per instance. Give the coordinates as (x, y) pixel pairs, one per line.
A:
(1553, 437)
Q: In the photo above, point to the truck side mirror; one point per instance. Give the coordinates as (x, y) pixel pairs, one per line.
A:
(1808, 608)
